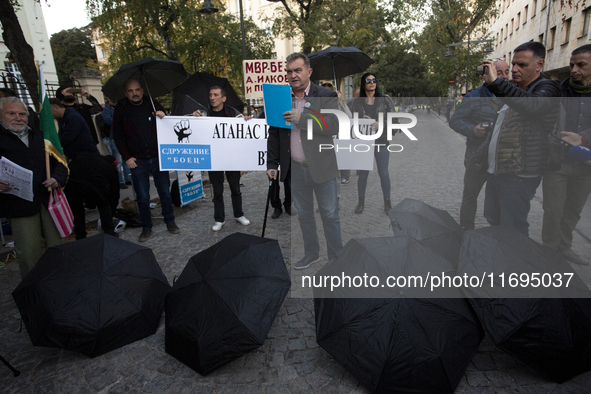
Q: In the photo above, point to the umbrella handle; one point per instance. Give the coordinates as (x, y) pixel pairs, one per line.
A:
(148, 89)
(267, 208)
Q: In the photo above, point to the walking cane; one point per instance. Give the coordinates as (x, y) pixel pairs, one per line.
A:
(267, 205)
(14, 371)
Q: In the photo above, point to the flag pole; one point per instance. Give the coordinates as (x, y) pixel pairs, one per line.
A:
(47, 169)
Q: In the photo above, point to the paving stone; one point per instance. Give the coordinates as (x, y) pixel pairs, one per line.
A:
(101, 378)
(484, 362)
(317, 379)
(305, 368)
(499, 379)
(159, 384)
(477, 379)
(297, 344)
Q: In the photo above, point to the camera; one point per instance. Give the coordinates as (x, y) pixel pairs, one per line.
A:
(75, 90)
(487, 126)
(481, 69)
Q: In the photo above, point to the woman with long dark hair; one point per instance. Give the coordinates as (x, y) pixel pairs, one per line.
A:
(370, 103)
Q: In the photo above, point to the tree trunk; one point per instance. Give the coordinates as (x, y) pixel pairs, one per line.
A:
(22, 52)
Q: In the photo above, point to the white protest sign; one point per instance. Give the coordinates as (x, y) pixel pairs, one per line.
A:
(258, 72)
(232, 144)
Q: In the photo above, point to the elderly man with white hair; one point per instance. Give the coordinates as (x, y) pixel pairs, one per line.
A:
(30, 220)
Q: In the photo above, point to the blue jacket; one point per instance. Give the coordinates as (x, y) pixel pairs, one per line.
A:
(475, 108)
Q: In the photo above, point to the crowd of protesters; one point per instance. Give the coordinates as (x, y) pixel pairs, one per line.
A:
(517, 137)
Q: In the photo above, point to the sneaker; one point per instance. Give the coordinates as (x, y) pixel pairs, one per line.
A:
(344, 181)
(276, 213)
(306, 262)
(573, 257)
(120, 226)
(173, 228)
(145, 235)
(123, 186)
(243, 221)
(288, 210)
(217, 226)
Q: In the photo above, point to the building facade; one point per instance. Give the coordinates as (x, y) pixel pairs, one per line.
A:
(32, 23)
(562, 26)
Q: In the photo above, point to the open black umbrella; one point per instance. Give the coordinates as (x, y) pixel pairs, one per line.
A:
(225, 301)
(193, 94)
(434, 227)
(93, 295)
(157, 76)
(402, 344)
(338, 62)
(542, 330)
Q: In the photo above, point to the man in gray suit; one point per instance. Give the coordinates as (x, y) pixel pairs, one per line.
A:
(310, 170)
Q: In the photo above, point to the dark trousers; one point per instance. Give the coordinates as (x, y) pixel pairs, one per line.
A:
(507, 200)
(276, 198)
(77, 195)
(217, 182)
(473, 182)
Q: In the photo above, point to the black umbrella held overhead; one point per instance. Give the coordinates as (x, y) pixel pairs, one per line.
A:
(403, 344)
(193, 94)
(337, 62)
(158, 77)
(434, 227)
(93, 295)
(223, 304)
(540, 328)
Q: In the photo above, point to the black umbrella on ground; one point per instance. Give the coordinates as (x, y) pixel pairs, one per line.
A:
(434, 227)
(193, 94)
(93, 295)
(338, 62)
(540, 328)
(225, 301)
(158, 77)
(402, 343)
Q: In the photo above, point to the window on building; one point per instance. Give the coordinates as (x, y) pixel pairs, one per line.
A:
(512, 23)
(551, 38)
(518, 19)
(544, 4)
(541, 38)
(586, 21)
(525, 11)
(506, 30)
(508, 58)
(502, 34)
(566, 31)
(497, 41)
(534, 7)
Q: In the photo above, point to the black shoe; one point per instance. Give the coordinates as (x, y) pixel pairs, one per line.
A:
(306, 262)
(288, 209)
(276, 213)
(360, 206)
(128, 183)
(173, 228)
(145, 235)
(123, 186)
(387, 205)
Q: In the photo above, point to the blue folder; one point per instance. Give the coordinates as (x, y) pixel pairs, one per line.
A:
(277, 101)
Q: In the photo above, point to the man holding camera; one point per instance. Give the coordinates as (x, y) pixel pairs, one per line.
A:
(67, 94)
(473, 119)
(566, 188)
(518, 153)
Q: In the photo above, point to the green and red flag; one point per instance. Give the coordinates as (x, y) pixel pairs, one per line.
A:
(52, 141)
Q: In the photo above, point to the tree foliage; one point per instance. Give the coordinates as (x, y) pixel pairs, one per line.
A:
(176, 30)
(448, 22)
(365, 24)
(72, 49)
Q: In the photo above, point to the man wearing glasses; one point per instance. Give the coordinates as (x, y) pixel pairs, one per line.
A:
(310, 171)
(473, 118)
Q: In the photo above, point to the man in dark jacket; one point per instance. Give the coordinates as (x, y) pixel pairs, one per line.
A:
(518, 153)
(134, 131)
(474, 112)
(65, 95)
(30, 220)
(312, 171)
(566, 189)
(73, 131)
(218, 108)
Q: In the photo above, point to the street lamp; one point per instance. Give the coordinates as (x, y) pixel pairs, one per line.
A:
(448, 52)
(208, 8)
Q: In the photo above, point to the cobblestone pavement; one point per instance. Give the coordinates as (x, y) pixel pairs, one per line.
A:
(290, 361)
